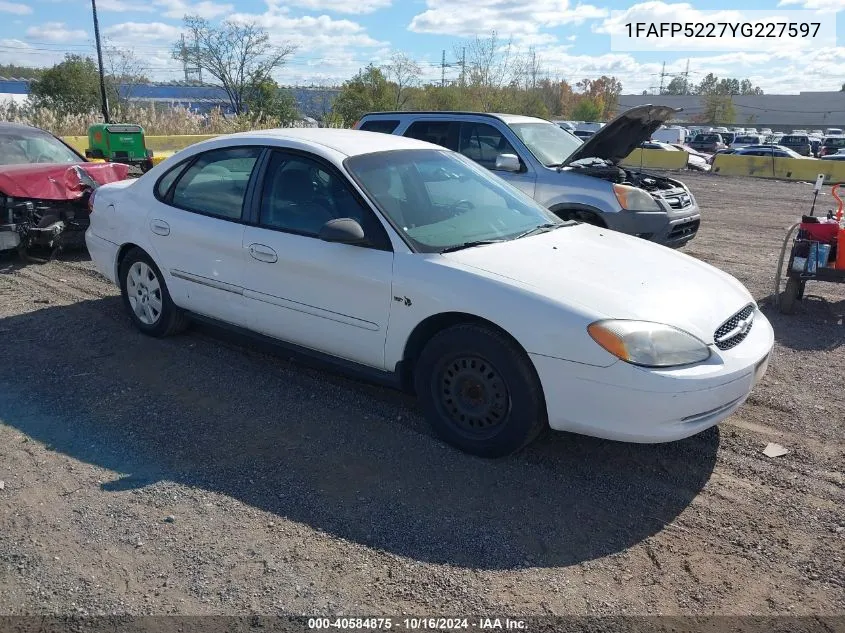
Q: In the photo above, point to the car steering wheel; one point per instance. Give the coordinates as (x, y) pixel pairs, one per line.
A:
(462, 203)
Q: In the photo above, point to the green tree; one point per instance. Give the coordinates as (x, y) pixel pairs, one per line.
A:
(267, 103)
(587, 110)
(678, 86)
(20, 72)
(719, 109)
(368, 91)
(71, 87)
(707, 85)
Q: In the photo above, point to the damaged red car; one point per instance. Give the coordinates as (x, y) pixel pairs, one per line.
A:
(45, 189)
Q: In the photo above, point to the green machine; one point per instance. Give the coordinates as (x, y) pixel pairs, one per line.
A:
(119, 143)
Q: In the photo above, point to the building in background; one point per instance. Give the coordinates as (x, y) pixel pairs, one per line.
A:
(312, 103)
(779, 112)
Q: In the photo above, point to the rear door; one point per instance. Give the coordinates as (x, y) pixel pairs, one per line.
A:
(196, 228)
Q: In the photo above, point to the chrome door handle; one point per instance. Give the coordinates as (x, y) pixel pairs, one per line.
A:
(263, 253)
(160, 227)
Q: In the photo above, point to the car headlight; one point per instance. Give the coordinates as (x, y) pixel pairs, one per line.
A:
(648, 344)
(634, 199)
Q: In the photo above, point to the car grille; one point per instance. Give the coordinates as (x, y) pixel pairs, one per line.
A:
(723, 338)
(680, 201)
(684, 229)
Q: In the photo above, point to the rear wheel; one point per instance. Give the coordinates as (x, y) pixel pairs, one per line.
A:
(479, 391)
(146, 298)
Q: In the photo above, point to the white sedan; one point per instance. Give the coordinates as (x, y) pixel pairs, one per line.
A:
(417, 266)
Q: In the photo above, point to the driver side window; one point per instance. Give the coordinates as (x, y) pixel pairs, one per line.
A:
(483, 143)
(300, 195)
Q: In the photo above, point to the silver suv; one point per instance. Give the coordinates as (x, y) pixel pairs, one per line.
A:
(574, 179)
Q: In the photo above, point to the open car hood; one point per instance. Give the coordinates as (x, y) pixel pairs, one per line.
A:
(623, 135)
(57, 181)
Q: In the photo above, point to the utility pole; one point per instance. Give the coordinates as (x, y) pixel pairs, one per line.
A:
(662, 75)
(464, 67)
(104, 100)
(686, 79)
(443, 69)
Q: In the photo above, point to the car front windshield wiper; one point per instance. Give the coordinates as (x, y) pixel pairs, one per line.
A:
(460, 247)
(544, 228)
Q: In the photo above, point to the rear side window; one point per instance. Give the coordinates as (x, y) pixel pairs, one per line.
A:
(794, 140)
(167, 180)
(443, 133)
(215, 184)
(379, 125)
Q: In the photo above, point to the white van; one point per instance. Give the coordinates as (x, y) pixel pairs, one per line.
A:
(672, 134)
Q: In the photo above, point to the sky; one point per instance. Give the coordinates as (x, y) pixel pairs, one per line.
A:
(572, 39)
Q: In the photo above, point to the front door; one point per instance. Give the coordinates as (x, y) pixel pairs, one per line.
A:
(330, 297)
(483, 142)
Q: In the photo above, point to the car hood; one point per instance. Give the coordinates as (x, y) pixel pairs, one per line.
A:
(57, 181)
(624, 134)
(613, 275)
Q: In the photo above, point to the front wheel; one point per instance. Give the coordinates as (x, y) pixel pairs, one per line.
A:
(479, 391)
(146, 298)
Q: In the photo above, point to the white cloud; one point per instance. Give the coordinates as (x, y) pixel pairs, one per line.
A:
(817, 5)
(15, 8)
(516, 18)
(356, 6)
(20, 53)
(123, 6)
(55, 33)
(177, 9)
(145, 32)
(310, 33)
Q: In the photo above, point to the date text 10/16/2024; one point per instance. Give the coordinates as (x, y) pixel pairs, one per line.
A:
(414, 624)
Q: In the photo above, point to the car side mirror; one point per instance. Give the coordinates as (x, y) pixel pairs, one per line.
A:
(342, 230)
(508, 162)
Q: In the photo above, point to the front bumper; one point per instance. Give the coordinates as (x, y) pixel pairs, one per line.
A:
(634, 404)
(670, 228)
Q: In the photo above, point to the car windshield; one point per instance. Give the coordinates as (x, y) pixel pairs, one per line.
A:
(794, 140)
(549, 144)
(835, 142)
(747, 139)
(441, 200)
(707, 138)
(22, 148)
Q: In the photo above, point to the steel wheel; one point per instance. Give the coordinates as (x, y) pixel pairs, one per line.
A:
(143, 290)
(472, 396)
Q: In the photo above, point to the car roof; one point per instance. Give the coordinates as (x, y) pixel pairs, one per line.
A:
(505, 118)
(344, 141)
(6, 126)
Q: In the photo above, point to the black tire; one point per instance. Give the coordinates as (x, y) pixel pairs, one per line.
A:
(171, 319)
(479, 391)
(581, 215)
(790, 295)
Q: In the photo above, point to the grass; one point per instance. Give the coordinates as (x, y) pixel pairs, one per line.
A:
(155, 120)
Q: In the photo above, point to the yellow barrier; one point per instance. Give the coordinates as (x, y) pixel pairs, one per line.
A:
(779, 168)
(79, 143)
(161, 156)
(808, 170)
(656, 159)
(156, 143)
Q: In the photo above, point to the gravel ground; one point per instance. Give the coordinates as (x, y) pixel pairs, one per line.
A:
(203, 474)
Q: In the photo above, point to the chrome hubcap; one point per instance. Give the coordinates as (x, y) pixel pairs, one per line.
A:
(144, 292)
